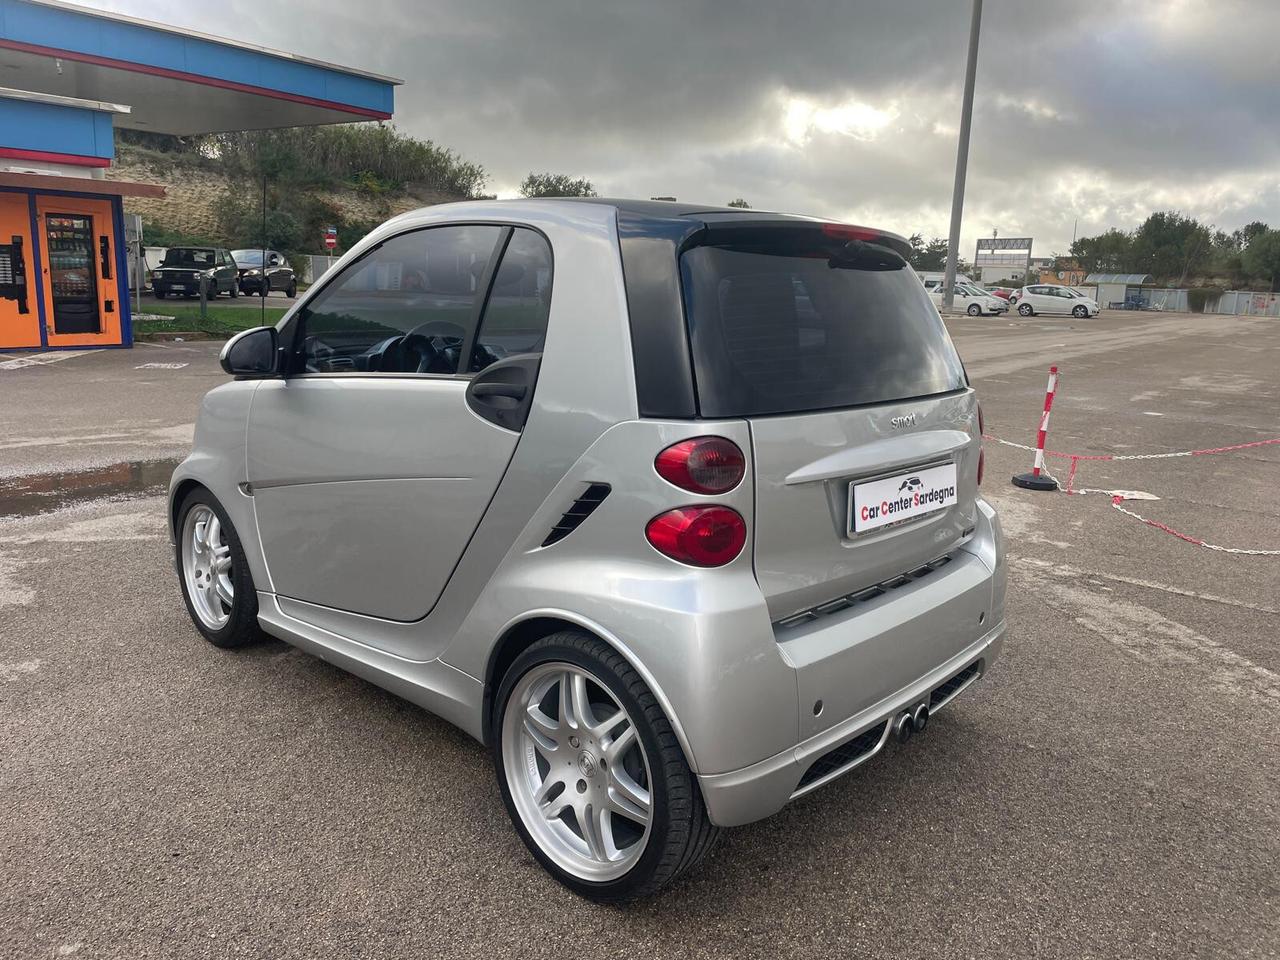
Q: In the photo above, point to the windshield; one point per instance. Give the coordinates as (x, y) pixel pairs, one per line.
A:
(790, 323)
(247, 258)
(188, 257)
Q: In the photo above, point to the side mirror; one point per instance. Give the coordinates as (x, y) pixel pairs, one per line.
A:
(251, 353)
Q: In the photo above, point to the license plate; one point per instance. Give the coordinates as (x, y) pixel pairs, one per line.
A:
(878, 503)
(181, 286)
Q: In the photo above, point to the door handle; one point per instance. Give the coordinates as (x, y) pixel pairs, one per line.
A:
(514, 391)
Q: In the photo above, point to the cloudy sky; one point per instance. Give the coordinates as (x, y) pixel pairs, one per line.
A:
(1100, 110)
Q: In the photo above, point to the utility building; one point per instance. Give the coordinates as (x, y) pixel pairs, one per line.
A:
(74, 74)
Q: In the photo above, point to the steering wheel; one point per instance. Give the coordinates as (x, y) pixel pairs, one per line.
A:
(435, 336)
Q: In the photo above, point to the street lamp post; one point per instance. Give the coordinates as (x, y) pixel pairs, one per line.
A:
(962, 160)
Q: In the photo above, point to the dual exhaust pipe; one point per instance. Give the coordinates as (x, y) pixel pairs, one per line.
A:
(910, 722)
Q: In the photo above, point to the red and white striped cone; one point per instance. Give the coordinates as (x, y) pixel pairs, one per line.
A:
(1038, 478)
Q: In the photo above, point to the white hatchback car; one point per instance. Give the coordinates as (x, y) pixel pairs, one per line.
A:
(972, 299)
(1051, 298)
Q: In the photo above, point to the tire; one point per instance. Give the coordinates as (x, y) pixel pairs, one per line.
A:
(1080, 312)
(159, 294)
(974, 310)
(678, 833)
(292, 290)
(265, 288)
(235, 290)
(240, 626)
(1024, 310)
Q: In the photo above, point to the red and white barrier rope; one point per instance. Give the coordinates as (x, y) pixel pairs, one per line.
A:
(1116, 502)
(1133, 456)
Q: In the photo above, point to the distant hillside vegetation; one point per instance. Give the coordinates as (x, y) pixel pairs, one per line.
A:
(351, 176)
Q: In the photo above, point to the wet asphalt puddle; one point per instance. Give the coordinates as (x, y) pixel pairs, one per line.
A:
(46, 492)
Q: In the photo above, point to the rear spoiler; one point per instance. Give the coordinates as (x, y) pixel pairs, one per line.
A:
(713, 230)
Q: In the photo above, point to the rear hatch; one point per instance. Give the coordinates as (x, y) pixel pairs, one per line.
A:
(864, 431)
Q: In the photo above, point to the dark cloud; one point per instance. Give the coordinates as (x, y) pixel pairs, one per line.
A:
(1089, 110)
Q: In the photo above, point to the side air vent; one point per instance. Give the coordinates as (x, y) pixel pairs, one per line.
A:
(582, 508)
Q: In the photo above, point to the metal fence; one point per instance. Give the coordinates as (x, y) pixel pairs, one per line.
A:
(1246, 303)
(316, 266)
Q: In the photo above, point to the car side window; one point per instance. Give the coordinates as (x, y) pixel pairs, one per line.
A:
(405, 307)
(515, 318)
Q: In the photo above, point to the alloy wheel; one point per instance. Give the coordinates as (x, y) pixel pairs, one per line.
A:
(577, 771)
(206, 567)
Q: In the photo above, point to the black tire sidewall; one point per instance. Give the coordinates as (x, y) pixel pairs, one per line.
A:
(630, 883)
(242, 626)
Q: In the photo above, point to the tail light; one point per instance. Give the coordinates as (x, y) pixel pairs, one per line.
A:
(699, 536)
(702, 465)
(982, 454)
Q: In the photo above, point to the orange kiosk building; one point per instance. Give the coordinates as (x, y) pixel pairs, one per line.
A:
(78, 73)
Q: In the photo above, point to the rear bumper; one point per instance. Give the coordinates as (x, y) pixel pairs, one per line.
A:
(764, 788)
(856, 669)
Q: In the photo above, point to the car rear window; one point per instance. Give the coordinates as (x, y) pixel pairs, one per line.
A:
(799, 322)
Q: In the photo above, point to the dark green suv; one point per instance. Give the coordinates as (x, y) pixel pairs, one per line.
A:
(182, 268)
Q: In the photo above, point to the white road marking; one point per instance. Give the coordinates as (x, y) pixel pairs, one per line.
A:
(1066, 570)
(161, 366)
(40, 359)
(1148, 637)
(10, 672)
(1151, 413)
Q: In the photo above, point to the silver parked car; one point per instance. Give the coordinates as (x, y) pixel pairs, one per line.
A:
(676, 509)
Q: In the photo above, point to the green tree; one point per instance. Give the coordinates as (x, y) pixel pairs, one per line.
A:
(556, 185)
(740, 203)
(933, 255)
(1169, 245)
(1262, 256)
(1244, 236)
(1110, 252)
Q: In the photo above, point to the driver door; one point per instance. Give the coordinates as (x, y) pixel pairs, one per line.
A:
(368, 468)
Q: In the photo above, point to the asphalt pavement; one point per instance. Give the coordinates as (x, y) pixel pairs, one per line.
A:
(1109, 790)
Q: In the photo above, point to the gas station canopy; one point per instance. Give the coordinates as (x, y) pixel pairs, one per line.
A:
(176, 81)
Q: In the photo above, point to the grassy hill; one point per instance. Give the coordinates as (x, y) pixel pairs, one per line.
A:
(351, 177)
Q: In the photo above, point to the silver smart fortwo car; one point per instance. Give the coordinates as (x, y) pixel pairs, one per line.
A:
(674, 508)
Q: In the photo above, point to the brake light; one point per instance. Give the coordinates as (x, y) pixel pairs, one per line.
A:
(702, 465)
(982, 454)
(843, 231)
(699, 536)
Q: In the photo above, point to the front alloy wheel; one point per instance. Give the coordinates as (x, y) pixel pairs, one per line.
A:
(592, 774)
(214, 574)
(1081, 311)
(1024, 309)
(206, 567)
(974, 310)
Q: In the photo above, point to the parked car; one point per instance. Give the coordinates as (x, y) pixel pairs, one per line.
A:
(182, 268)
(684, 540)
(1004, 293)
(1051, 298)
(972, 299)
(261, 280)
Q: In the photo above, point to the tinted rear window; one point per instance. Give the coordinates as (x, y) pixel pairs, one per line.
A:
(793, 324)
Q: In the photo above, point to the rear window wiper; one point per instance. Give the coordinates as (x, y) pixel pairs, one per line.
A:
(861, 255)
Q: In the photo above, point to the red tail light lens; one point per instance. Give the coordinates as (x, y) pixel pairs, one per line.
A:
(702, 465)
(699, 536)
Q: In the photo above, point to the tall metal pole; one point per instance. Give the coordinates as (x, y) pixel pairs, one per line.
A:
(962, 160)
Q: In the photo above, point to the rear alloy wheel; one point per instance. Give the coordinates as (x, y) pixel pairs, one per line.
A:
(974, 310)
(1080, 311)
(1024, 310)
(216, 583)
(591, 772)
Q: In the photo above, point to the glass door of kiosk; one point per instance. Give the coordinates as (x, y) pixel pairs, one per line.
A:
(79, 283)
(73, 273)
